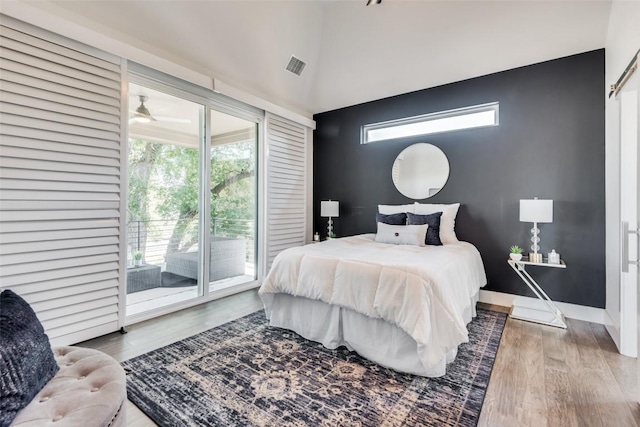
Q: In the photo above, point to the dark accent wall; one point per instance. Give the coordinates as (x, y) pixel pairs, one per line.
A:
(549, 144)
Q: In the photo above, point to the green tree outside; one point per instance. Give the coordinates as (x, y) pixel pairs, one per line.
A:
(164, 185)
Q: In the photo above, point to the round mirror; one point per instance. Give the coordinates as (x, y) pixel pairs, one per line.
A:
(420, 171)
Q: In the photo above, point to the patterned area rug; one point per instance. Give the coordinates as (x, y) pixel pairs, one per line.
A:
(246, 373)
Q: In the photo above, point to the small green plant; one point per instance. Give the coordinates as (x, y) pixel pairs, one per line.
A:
(515, 249)
(137, 255)
(332, 235)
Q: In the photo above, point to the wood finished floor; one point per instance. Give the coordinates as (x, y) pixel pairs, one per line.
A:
(543, 376)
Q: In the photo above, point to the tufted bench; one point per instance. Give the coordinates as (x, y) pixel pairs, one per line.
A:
(88, 390)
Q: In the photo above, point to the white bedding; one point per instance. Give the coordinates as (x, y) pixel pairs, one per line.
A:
(428, 292)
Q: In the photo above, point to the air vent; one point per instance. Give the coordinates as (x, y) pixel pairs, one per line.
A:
(295, 65)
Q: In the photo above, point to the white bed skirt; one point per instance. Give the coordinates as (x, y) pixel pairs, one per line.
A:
(373, 339)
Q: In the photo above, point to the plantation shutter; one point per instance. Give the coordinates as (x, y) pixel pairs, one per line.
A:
(60, 181)
(286, 186)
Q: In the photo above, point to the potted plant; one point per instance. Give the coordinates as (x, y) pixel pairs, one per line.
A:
(515, 253)
(331, 236)
(137, 258)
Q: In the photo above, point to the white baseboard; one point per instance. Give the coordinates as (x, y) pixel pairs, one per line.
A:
(613, 328)
(572, 311)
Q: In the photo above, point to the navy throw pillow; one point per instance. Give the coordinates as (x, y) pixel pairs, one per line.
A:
(393, 219)
(433, 232)
(27, 362)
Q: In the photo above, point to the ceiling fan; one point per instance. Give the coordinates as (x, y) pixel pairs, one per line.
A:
(142, 114)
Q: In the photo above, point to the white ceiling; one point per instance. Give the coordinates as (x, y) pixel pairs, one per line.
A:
(353, 53)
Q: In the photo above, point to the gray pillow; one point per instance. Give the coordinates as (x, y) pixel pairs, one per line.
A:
(401, 234)
(433, 232)
(27, 362)
(393, 219)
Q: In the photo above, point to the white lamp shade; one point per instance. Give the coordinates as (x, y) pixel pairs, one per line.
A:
(329, 208)
(536, 210)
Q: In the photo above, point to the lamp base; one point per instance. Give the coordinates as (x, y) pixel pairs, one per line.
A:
(535, 257)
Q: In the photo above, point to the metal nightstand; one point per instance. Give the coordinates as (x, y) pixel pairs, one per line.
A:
(553, 316)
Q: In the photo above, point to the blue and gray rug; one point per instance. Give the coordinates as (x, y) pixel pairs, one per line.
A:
(246, 373)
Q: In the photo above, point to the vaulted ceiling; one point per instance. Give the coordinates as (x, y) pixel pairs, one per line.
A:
(354, 53)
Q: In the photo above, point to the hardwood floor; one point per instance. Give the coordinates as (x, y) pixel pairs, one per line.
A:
(543, 376)
(546, 376)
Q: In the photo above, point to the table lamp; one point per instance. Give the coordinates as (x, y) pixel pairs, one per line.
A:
(330, 209)
(536, 211)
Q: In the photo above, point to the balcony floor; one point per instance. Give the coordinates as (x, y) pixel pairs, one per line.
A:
(151, 299)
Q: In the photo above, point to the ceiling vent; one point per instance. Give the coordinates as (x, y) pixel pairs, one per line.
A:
(295, 65)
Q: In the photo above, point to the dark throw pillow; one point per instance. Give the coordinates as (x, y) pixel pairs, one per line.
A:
(393, 219)
(27, 362)
(433, 232)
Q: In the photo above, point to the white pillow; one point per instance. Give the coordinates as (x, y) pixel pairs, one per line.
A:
(447, 220)
(394, 209)
(402, 234)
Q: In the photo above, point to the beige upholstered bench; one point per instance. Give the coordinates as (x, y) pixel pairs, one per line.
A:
(88, 390)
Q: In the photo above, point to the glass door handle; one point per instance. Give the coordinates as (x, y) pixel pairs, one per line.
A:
(626, 232)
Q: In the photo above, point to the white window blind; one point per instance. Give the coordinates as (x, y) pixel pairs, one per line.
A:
(60, 183)
(286, 185)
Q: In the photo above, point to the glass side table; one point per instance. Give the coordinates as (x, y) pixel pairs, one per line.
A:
(552, 316)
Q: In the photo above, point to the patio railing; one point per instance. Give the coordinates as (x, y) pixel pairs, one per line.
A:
(152, 237)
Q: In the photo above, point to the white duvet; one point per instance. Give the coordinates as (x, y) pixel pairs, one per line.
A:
(429, 292)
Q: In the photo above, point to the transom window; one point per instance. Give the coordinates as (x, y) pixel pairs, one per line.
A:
(443, 121)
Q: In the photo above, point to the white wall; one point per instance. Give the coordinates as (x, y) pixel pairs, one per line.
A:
(623, 41)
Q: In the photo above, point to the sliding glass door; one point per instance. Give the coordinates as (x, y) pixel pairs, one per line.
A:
(192, 200)
(163, 199)
(233, 161)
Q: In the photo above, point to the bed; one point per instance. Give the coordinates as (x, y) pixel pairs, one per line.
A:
(404, 307)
